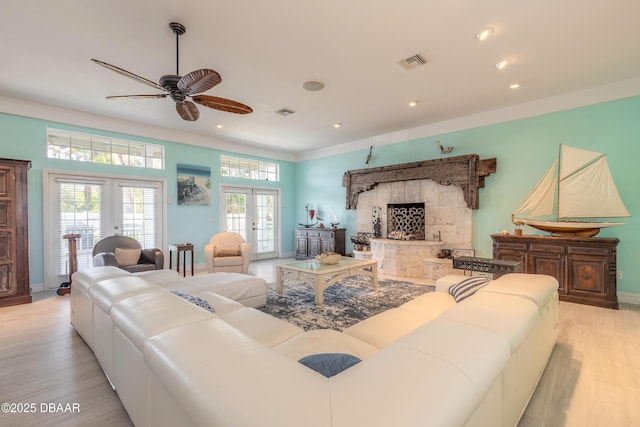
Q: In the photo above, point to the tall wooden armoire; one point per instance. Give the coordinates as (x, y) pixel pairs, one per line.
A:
(14, 233)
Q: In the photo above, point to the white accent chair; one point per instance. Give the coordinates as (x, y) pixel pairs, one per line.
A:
(227, 252)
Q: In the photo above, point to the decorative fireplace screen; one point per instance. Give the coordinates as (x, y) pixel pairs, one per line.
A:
(406, 221)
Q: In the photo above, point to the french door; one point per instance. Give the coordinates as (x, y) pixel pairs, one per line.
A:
(95, 207)
(254, 214)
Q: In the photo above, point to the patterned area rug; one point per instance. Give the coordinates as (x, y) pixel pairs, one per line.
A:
(345, 303)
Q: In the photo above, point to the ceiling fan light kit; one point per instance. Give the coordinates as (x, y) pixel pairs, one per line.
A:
(179, 88)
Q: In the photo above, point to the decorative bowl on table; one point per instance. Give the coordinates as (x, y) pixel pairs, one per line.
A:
(328, 258)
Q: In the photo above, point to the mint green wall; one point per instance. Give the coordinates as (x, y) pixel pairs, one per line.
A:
(25, 138)
(524, 150)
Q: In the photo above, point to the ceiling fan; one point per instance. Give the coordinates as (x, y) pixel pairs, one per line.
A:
(179, 87)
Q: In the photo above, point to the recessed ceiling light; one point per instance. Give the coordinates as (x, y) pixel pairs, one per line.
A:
(413, 103)
(313, 86)
(485, 34)
(219, 125)
(503, 64)
(337, 125)
(514, 85)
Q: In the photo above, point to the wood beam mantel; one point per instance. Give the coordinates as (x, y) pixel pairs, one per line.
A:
(467, 172)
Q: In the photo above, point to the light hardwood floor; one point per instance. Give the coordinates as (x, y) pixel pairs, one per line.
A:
(592, 379)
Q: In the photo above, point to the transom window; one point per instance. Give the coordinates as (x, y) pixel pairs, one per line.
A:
(238, 167)
(83, 147)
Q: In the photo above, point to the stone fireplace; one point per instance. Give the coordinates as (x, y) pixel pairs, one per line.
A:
(447, 224)
(449, 189)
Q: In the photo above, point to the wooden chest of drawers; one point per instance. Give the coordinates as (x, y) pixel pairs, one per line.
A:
(584, 266)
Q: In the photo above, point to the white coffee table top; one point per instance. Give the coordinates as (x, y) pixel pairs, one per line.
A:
(313, 266)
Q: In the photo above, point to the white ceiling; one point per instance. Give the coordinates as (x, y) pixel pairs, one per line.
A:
(265, 50)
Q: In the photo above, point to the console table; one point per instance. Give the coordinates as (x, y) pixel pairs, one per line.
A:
(181, 247)
(584, 266)
(312, 241)
(486, 265)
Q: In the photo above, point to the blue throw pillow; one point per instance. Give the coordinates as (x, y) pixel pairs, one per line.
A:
(467, 287)
(329, 364)
(195, 300)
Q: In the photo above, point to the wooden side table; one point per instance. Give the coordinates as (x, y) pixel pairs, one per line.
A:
(181, 247)
(65, 287)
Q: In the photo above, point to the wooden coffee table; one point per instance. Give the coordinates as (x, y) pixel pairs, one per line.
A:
(320, 276)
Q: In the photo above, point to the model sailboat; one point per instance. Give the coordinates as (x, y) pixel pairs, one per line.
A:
(577, 186)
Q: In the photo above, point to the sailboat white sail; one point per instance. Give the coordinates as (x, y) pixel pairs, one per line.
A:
(577, 185)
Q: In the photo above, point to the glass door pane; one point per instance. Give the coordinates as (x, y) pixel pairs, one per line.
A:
(264, 227)
(140, 214)
(236, 212)
(81, 211)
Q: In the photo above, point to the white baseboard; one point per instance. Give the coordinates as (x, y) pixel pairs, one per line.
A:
(629, 298)
(37, 287)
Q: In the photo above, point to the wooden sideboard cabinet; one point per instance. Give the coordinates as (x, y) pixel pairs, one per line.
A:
(315, 241)
(584, 266)
(14, 236)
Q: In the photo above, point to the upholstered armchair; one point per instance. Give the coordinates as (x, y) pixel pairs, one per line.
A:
(227, 252)
(126, 253)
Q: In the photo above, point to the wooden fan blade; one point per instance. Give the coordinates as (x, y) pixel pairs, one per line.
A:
(188, 111)
(129, 74)
(198, 81)
(222, 104)
(159, 95)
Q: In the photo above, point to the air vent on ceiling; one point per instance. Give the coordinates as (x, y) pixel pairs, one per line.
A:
(413, 62)
(284, 112)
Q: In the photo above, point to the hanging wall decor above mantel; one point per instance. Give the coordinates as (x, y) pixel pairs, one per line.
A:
(467, 172)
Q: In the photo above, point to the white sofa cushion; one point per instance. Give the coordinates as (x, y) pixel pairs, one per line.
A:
(481, 354)
(512, 318)
(384, 328)
(239, 287)
(106, 292)
(538, 288)
(324, 341)
(142, 316)
(86, 278)
(430, 305)
(400, 386)
(260, 326)
(230, 379)
(160, 277)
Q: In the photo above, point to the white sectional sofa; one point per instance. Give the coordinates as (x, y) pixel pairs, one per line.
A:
(431, 361)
